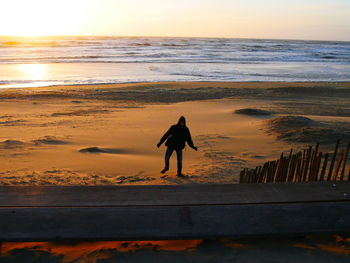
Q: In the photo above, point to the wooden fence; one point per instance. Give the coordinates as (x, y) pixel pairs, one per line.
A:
(311, 164)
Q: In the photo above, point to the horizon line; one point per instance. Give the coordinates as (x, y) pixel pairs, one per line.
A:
(155, 36)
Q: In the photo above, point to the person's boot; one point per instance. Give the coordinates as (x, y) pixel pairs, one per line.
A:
(164, 170)
(179, 173)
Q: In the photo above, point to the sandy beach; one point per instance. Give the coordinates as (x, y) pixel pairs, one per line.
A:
(107, 134)
(301, 249)
(89, 88)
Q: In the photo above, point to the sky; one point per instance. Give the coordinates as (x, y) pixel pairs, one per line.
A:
(281, 19)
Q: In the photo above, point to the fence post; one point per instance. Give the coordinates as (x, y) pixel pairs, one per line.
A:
(333, 161)
(345, 160)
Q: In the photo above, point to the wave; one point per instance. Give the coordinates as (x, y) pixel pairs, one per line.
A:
(164, 60)
(176, 59)
(142, 44)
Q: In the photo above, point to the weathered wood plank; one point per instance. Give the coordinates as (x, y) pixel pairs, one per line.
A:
(173, 212)
(75, 196)
(173, 222)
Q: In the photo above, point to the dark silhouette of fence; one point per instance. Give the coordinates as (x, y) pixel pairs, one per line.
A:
(311, 164)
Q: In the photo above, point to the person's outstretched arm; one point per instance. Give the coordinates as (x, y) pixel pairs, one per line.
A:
(189, 140)
(165, 136)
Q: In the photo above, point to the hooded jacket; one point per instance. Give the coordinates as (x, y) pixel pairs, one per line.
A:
(177, 136)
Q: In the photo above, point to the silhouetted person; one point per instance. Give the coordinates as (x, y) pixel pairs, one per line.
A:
(176, 137)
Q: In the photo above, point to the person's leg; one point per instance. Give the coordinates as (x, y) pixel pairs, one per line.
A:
(179, 162)
(168, 153)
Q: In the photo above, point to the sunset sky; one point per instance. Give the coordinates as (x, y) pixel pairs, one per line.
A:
(287, 19)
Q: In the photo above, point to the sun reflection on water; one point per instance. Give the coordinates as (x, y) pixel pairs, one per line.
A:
(33, 71)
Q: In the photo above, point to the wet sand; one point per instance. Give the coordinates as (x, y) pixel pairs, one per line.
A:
(107, 134)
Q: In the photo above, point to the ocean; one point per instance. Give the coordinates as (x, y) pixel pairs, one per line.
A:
(26, 62)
